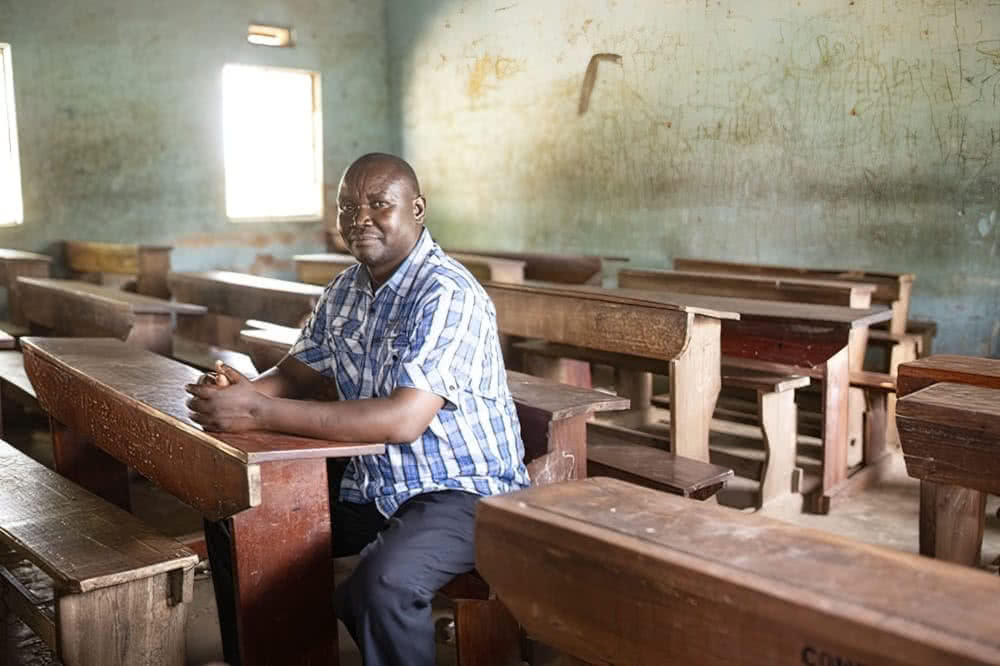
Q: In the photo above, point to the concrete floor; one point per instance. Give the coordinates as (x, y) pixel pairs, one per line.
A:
(884, 515)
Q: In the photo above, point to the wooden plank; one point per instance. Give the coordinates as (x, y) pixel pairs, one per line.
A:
(613, 573)
(654, 468)
(14, 264)
(772, 288)
(247, 296)
(970, 370)
(80, 541)
(951, 435)
(561, 401)
(146, 423)
(322, 268)
(92, 257)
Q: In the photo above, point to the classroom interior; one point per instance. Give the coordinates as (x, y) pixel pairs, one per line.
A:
(744, 258)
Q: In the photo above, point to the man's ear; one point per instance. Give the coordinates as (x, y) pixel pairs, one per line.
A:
(419, 209)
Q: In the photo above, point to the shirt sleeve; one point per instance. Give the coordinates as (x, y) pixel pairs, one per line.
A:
(446, 346)
(310, 348)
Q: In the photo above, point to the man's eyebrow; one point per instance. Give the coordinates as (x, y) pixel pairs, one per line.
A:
(384, 194)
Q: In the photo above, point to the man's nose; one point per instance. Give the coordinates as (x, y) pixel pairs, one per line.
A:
(362, 216)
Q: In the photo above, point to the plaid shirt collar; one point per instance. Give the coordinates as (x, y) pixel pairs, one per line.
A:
(401, 281)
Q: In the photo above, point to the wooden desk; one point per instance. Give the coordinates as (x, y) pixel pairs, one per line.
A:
(149, 264)
(614, 573)
(636, 323)
(553, 416)
(80, 309)
(844, 293)
(322, 268)
(233, 298)
(14, 264)
(131, 404)
(892, 289)
(761, 334)
(561, 268)
(948, 417)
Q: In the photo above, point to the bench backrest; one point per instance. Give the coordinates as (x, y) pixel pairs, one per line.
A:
(562, 268)
(246, 296)
(613, 573)
(322, 268)
(13, 264)
(81, 541)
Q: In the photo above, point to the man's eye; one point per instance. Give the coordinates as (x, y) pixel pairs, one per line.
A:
(346, 208)
(380, 204)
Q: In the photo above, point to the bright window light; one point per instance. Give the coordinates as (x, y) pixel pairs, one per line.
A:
(273, 136)
(11, 205)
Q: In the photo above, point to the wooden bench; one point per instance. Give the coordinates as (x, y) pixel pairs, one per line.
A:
(233, 298)
(948, 417)
(775, 394)
(132, 413)
(322, 268)
(101, 262)
(14, 264)
(118, 589)
(14, 385)
(609, 572)
(81, 309)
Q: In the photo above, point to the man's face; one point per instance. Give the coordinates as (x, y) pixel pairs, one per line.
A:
(379, 217)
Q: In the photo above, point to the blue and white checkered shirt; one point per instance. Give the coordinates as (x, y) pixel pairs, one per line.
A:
(432, 327)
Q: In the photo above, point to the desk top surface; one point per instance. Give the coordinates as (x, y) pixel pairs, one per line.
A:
(795, 576)
(972, 370)
(687, 263)
(21, 255)
(721, 307)
(246, 281)
(156, 383)
(138, 303)
(776, 281)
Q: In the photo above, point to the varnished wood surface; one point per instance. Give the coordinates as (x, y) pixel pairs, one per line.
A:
(321, 268)
(614, 573)
(652, 467)
(132, 403)
(7, 341)
(21, 255)
(775, 288)
(971, 370)
(12, 371)
(86, 291)
(247, 296)
(660, 300)
(78, 539)
(561, 401)
(950, 434)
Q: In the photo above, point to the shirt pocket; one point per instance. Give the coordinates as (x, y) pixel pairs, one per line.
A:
(388, 354)
(345, 338)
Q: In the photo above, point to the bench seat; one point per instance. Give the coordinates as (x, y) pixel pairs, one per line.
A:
(119, 589)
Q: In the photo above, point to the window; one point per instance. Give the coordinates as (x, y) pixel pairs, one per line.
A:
(11, 206)
(273, 138)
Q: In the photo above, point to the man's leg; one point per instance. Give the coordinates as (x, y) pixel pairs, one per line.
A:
(386, 602)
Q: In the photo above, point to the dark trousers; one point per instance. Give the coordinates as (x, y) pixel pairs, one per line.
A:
(386, 601)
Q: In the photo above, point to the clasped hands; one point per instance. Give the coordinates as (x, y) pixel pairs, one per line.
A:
(225, 401)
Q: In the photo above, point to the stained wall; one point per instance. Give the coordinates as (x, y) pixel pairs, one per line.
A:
(119, 107)
(820, 132)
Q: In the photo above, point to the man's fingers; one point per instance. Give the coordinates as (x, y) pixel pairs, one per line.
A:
(232, 374)
(201, 390)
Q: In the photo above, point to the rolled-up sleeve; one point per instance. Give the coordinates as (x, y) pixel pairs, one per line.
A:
(444, 347)
(310, 348)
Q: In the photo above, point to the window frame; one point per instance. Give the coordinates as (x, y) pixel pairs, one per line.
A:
(10, 124)
(317, 132)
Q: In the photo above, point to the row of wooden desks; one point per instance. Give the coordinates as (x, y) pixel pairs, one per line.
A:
(320, 269)
(692, 332)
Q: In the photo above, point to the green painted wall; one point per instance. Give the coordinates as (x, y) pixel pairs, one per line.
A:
(119, 118)
(826, 133)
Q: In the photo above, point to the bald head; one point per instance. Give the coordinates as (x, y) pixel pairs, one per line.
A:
(388, 166)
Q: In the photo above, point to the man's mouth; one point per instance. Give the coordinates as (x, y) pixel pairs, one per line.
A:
(365, 238)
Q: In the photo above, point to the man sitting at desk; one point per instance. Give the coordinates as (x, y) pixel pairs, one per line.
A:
(411, 339)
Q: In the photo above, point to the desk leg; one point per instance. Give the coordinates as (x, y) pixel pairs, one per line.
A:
(695, 380)
(283, 569)
(952, 519)
(76, 458)
(836, 383)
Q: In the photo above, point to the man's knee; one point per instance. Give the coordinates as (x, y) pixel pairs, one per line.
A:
(373, 593)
